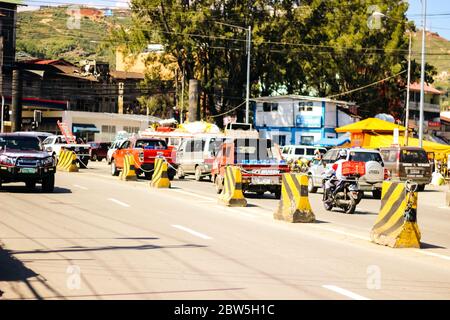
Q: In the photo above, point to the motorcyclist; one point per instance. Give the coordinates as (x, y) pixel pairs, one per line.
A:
(334, 174)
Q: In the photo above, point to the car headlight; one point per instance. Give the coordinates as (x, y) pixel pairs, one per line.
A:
(7, 160)
(48, 161)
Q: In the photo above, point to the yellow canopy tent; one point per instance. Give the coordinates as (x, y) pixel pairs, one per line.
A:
(370, 124)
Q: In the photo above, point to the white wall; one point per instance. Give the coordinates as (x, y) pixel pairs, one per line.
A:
(345, 119)
(330, 115)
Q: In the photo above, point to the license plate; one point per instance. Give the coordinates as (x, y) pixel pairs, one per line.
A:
(265, 180)
(414, 171)
(374, 172)
(28, 170)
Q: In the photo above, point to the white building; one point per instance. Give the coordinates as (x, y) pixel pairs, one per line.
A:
(303, 120)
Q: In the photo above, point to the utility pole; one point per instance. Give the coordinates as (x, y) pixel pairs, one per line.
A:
(182, 96)
(407, 91)
(16, 103)
(194, 112)
(422, 75)
(247, 100)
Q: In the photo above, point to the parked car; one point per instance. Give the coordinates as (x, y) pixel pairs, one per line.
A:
(375, 172)
(54, 144)
(195, 156)
(41, 135)
(296, 152)
(145, 151)
(98, 150)
(22, 159)
(408, 163)
(260, 161)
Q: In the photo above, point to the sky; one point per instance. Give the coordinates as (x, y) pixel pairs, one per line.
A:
(437, 21)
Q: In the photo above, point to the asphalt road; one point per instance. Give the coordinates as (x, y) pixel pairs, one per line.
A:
(98, 237)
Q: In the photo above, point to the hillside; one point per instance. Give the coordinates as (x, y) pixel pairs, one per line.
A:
(52, 32)
(438, 54)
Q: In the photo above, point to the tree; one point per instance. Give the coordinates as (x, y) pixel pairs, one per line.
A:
(309, 47)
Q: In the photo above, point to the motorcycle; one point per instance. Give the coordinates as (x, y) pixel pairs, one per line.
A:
(344, 195)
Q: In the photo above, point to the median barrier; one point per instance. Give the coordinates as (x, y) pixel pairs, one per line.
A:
(129, 168)
(67, 161)
(232, 195)
(160, 178)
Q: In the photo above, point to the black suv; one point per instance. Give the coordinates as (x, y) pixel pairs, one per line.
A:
(22, 159)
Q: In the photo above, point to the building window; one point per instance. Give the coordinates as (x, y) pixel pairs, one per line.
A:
(280, 139)
(305, 106)
(108, 129)
(307, 140)
(130, 129)
(270, 107)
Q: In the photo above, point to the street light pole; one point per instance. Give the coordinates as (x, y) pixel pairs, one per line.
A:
(407, 91)
(3, 114)
(422, 75)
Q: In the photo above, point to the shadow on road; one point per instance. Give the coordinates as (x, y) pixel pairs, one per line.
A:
(424, 245)
(12, 269)
(37, 190)
(107, 248)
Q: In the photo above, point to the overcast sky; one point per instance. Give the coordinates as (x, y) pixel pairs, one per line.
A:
(438, 11)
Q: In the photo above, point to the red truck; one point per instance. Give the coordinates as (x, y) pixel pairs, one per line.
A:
(260, 161)
(144, 150)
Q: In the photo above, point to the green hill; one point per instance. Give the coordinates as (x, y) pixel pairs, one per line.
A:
(51, 32)
(438, 54)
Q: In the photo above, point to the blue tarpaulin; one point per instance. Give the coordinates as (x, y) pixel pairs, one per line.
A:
(333, 142)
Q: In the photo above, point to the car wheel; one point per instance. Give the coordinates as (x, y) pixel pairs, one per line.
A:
(48, 183)
(311, 188)
(277, 194)
(198, 173)
(180, 173)
(114, 171)
(421, 187)
(376, 194)
(219, 184)
(31, 185)
(83, 163)
(94, 157)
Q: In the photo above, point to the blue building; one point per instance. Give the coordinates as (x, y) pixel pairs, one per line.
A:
(294, 119)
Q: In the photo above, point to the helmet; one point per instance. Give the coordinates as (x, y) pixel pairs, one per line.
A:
(342, 154)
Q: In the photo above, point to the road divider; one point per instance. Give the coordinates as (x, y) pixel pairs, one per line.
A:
(129, 168)
(160, 178)
(67, 161)
(396, 224)
(232, 195)
(294, 204)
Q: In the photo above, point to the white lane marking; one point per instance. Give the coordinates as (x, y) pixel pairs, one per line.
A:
(194, 195)
(80, 187)
(195, 233)
(345, 292)
(437, 255)
(123, 204)
(446, 208)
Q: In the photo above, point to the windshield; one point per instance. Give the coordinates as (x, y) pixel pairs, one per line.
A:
(214, 145)
(151, 144)
(365, 156)
(20, 143)
(254, 150)
(414, 156)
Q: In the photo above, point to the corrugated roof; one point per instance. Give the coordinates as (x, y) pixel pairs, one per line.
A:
(427, 88)
(127, 75)
(370, 124)
(299, 97)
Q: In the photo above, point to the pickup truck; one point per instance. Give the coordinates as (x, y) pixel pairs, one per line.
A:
(145, 151)
(54, 144)
(260, 161)
(22, 159)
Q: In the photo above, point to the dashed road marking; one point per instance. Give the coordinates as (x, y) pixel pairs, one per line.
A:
(80, 187)
(437, 255)
(345, 292)
(193, 232)
(123, 204)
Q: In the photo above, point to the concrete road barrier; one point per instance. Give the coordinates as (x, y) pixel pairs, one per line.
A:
(294, 205)
(396, 224)
(160, 178)
(67, 161)
(232, 195)
(129, 169)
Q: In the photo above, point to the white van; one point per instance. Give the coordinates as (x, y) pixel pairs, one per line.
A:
(295, 152)
(195, 156)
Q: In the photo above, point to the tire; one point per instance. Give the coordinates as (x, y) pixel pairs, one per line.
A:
(31, 185)
(148, 175)
(421, 187)
(180, 174)
(351, 207)
(326, 205)
(100, 159)
(219, 184)
(94, 157)
(114, 171)
(83, 163)
(311, 188)
(48, 184)
(198, 174)
(171, 174)
(277, 194)
(260, 194)
(376, 193)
